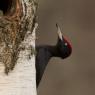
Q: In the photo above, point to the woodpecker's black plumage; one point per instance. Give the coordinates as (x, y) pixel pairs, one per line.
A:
(44, 53)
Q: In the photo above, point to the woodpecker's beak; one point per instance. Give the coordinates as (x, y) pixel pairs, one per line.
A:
(59, 32)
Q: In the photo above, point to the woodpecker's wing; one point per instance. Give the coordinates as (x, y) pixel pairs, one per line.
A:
(42, 58)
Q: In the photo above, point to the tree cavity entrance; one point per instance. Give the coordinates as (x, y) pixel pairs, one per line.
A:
(7, 7)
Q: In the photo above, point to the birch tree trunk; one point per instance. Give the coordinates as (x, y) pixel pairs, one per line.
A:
(17, 47)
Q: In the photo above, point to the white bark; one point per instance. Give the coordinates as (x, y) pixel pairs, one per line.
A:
(20, 81)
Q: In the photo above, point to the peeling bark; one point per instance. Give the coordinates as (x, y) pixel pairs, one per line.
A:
(17, 40)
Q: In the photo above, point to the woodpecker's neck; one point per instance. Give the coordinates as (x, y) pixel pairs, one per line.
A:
(53, 51)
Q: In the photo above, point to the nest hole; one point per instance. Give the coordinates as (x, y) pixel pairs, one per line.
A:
(6, 6)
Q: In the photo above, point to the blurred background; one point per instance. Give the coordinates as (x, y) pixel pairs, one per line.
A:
(76, 74)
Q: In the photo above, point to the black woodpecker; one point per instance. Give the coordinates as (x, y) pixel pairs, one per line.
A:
(62, 49)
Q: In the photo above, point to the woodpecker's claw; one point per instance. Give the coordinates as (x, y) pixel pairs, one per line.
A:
(59, 32)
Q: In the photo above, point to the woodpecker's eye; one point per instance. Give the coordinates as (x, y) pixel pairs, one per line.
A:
(66, 44)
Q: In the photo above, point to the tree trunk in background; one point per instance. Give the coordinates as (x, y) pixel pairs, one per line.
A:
(17, 47)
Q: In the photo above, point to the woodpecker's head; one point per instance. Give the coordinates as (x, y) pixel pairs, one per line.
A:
(64, 47)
